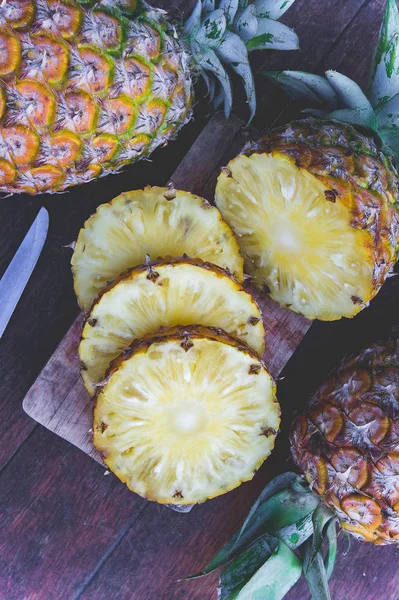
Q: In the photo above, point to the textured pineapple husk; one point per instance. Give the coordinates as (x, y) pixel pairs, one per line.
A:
(117, 88)
(186, 338)
(251, 327)
(347, 443)
(363, 177)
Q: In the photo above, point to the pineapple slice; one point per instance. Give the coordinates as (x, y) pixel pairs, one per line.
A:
(186, 415)
(296, 236)
(164, 294)
(157, 222)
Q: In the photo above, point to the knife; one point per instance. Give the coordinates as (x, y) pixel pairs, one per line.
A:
(17, 274)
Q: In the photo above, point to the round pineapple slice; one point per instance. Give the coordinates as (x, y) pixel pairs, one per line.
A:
(157, 222)
(297, 236)
(165, 294)
(186, 415)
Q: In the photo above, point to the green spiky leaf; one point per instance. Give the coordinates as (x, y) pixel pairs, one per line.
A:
(279, 483)
(331, 533)
(229, 8)
(349, 93)
(246, 23)
(316, 575)
(273, 35)
(240, 570)
(233, 52)
(208, 61)
(208, 6)
(296, 534)
(320, 518)
(388, 114)
(272, 9)
(273, 580)
(305, 87)
(385, 64)
(193, 23)
(355, 116)
(212, 29)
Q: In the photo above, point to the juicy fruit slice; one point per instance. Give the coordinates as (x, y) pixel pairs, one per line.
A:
(158, 222)
(187, 415)
(296, 236)
(165, 294)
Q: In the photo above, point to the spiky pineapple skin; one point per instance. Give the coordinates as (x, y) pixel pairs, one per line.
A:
(84, 91)
(347, 443)
(362, 176)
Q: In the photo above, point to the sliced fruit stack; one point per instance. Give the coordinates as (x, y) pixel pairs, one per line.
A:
(185, 409)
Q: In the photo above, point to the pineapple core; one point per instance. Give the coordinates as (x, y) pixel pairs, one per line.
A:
(184, 419)
(296, 236)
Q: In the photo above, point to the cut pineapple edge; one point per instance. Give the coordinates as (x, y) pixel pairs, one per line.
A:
(186, 415)
(296, 244)
(165, 294)
(154, 222)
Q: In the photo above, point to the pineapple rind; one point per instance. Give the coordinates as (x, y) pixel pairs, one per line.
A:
(71, 27)
(165, 294)
(355, 177)
(346, 443)
(186, 415)
(142, 223)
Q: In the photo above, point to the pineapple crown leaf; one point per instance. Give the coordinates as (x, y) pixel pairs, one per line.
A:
(280, 539)
(338, 97)
(221, 33)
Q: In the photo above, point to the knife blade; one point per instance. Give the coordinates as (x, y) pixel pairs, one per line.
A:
(18, 272)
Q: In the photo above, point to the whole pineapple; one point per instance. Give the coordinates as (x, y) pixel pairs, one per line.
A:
(314, 204)
(347, 443)
(87, 87)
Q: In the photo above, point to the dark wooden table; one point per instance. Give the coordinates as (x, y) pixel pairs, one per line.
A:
(66, 530)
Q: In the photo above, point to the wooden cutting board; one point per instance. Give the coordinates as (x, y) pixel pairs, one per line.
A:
(58, 399)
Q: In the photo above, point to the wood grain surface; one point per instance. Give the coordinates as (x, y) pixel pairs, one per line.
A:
(69, 532)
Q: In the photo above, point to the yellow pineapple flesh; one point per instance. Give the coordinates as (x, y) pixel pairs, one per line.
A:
(155, 222)
(186, 415)
(165, 294)
(313, 208)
